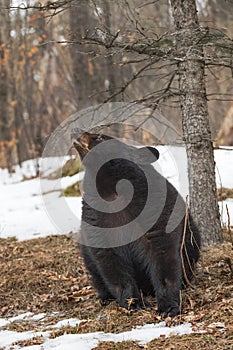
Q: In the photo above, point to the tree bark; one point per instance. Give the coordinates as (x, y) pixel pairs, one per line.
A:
(7, 115)
(110, 68)
(195, 121)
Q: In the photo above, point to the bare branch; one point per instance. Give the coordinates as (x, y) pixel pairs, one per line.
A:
(58, 4)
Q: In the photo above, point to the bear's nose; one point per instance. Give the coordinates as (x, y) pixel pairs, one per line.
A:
(83, 142)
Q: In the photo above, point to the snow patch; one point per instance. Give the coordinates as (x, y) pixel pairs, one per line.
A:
(223, 211)
(70, 322)
(142, 334)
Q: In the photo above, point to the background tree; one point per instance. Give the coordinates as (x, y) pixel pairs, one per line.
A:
(35, 91)
(7, 144)
(195, 120)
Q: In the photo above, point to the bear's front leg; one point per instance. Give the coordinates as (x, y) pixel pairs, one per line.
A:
(168, 302)
(166, 277)
(88, 254)
(119, 277)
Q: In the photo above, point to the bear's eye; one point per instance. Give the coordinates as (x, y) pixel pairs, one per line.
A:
(99, 138)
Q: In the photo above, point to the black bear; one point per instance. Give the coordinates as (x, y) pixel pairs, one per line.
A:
(130, 254)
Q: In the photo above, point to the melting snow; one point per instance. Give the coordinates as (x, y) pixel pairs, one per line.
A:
(142, 334)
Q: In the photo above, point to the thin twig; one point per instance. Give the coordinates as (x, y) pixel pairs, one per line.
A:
(183, 245)
(228, 225)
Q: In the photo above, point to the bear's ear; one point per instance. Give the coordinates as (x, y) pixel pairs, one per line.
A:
(147, 155)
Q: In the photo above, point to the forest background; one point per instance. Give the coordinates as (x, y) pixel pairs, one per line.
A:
(46, 76)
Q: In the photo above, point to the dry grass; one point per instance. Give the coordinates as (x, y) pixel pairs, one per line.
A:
(224, 193)
(47, 275)
(73, 190)
(42, 275)
(185, 342)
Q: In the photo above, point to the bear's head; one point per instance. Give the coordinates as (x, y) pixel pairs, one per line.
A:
(120, 187)
(87, 141)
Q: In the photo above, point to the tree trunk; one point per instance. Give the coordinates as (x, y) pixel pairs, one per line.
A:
(195, 121)
(110, 68)
(86, 72)
(6, 88)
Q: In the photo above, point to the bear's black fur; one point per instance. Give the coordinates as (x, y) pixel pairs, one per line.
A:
(156, 263)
